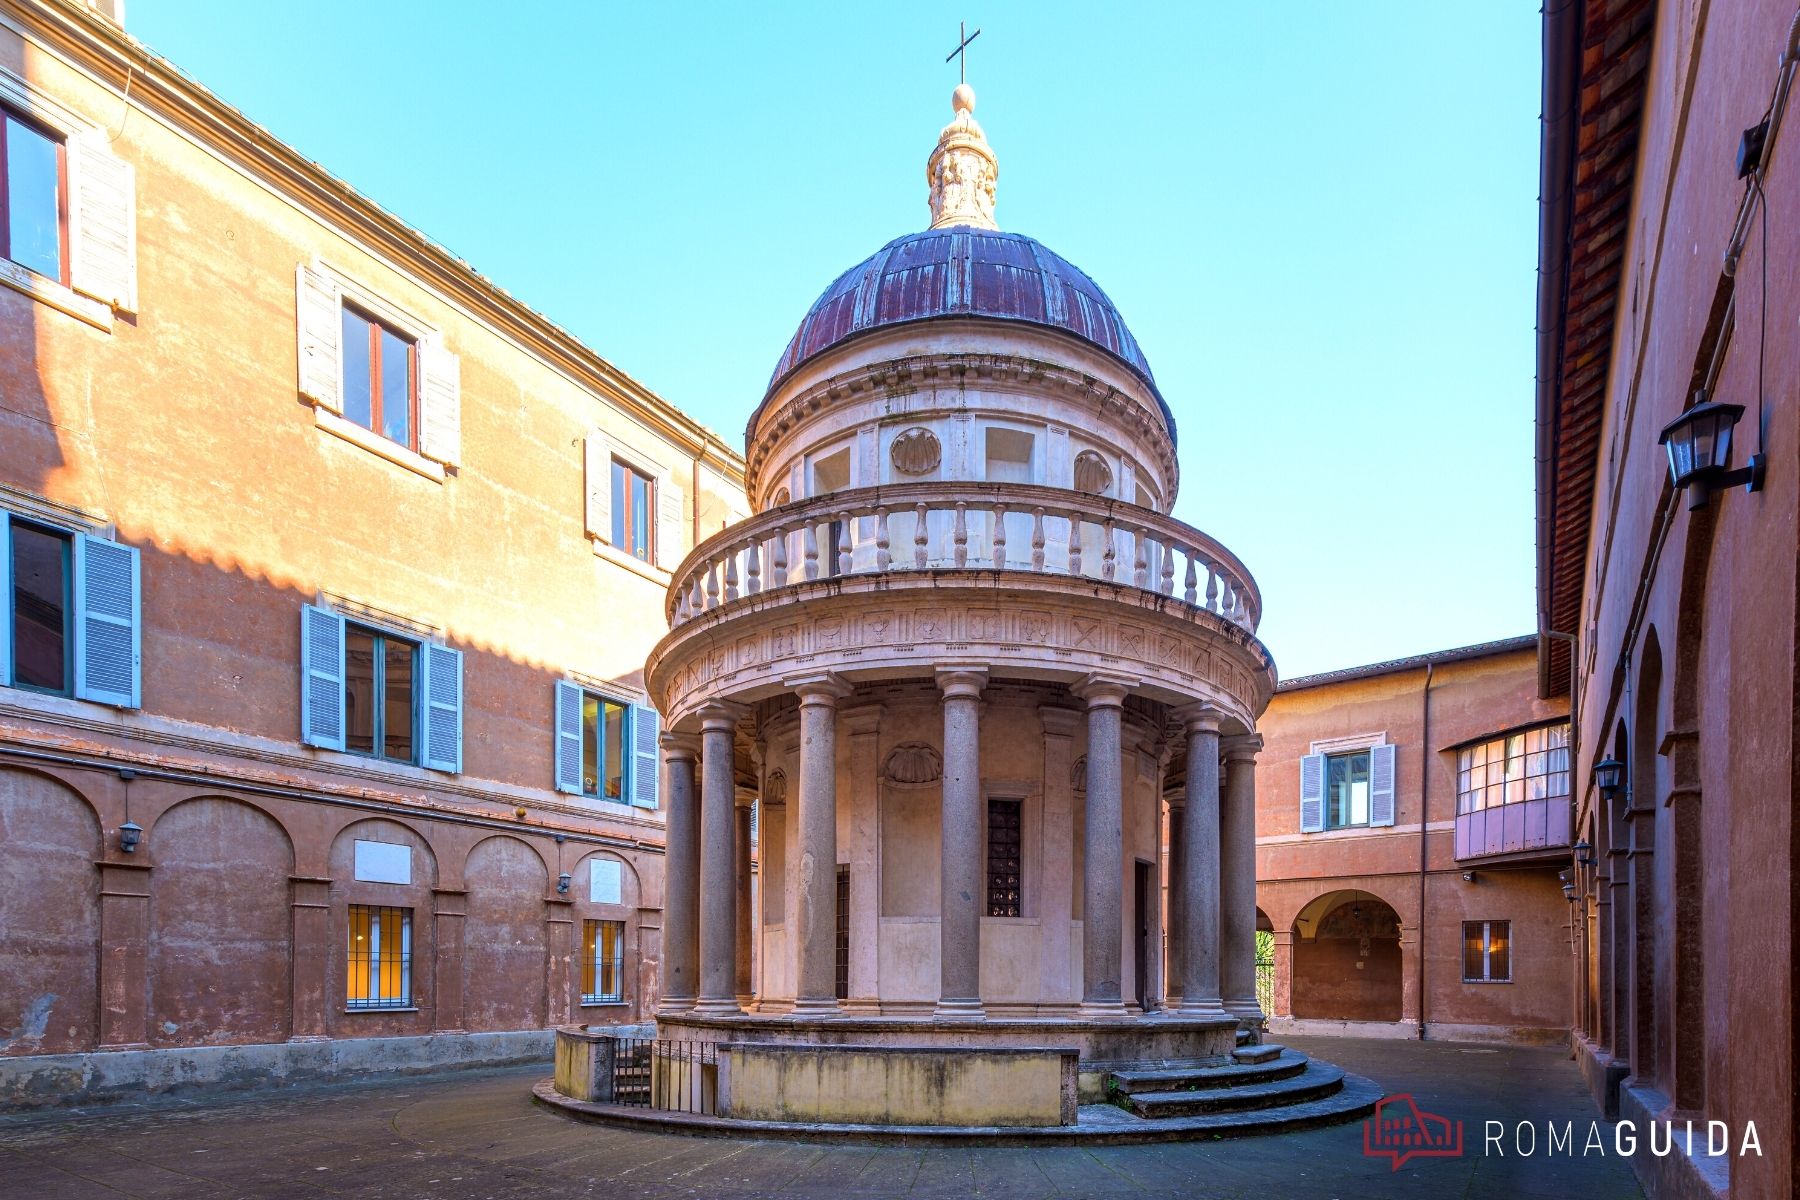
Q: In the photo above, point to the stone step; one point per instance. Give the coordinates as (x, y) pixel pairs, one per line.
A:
(1243, 1037)
(1175, 1079)
(1265, 1052)
(1316, 1082)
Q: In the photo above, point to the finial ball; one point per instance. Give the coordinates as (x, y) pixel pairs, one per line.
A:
(963, 98)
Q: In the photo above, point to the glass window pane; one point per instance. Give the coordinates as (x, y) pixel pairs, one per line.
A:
(33, 199)
(610, 952)
(640, 516)
(354, 349)
(396, 387)
(397, 728)
(359, 690)
(1499, 950)
(589, 959)
(613, 760)
(621, 504)
(1472, 949)
(358, 976)
(40, 606)
(590, 744)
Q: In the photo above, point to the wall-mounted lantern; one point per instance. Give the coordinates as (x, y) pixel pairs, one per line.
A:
(562, 883)
(1584, 853)
(1609, 776)
(1699, 446)
(130, 834)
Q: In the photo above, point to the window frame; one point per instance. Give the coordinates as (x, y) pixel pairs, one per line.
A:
(9, 605)
(63, 210)
(592, 974)
(378, 734)
(627, 727)
(377, 324)
(371, 913)
(1487, 950)
(624, 471)
(1366, 754)
(1465, 768)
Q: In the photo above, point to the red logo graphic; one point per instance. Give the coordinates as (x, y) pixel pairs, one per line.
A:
(1401, 1130)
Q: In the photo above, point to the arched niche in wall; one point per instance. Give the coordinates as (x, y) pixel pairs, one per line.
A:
(378, 866)
(503, 936)
(49, 916)
(221, 924)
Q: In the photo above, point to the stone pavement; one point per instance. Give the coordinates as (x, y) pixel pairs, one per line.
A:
(477, 1136)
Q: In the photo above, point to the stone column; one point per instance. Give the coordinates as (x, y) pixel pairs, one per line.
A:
(745, 799)
(1103, 862)
(718, 846)
(960, 838)
(1200, 883)
(681, 877)
(1237, 880)
(815, 908)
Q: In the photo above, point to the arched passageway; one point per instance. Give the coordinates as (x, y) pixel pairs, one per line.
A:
(1347, 959)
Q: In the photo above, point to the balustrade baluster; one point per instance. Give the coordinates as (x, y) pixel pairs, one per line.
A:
(780, 562)
(1190, 586)
(1212, 587)
(920, 535)
(712, 585)
(960, 535)
(731, 574)
(1075, 524)
(681, 608)
(1109, 562)
(843, 543)
(1000, 535)
(1140, 569)
(696, 604)
(1168, 567)
(810, 549)
(1037, 539)
(753, 565)
(882, 558)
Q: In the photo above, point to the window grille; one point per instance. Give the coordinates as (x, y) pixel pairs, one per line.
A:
(843, 934)
(1003, 860)
(380, 974)
(603, 962)
(1487, 951)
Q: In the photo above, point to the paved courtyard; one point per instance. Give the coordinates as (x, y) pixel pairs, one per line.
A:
(474, 1136)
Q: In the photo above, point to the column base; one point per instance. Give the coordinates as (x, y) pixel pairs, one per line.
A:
(816, 1007)
(674, 1006)
(1103, 1010)
(1246, 1010)
(1201, 1007)
(959, 1010)
(864, 1006)
(727, 1007)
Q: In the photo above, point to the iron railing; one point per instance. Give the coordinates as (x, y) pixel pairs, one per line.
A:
(1265, 985)
(667, 1074)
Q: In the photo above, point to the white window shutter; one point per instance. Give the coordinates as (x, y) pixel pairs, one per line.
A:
(102, 222)
(598, 470)
(1381, 785)
(671, 521)
(568, 738)
(6, 600)
(108, 649)
(646, 733)
(321, 325)
(1312, 793)
(442, 734)
(321, 678)
(440, 402)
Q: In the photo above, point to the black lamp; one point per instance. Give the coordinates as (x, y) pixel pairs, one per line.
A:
(1609, 776)
(130, 834)
(1584, 853)
(1699, 446)
(562, 883)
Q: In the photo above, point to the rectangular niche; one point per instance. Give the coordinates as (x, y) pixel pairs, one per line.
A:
(383, 862)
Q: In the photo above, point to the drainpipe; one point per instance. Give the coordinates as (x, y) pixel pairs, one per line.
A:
(1424, 823)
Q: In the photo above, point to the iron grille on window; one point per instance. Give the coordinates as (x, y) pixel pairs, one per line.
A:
(380, 974)
(843, 933)
(1003, 858)
(1487, 951)
(603, 962)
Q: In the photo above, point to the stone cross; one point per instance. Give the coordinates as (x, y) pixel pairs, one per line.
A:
(961, 53)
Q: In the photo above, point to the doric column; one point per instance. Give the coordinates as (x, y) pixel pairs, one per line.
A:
(745, 800)
(718, 849)
(1103, 859)
(1200, 883)
(681, 877)
(960, 840)
(1237, 880)
(815, 909)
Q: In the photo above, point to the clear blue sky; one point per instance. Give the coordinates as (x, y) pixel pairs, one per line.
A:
(1318, 218)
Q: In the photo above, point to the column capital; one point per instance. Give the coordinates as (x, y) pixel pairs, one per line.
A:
(679, 746)
(720, 714)
(825, 687)
(1242, 748)
(1200, 717)
(958, 682)
(1101, 690)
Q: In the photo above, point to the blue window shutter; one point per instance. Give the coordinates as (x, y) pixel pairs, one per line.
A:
(108, 650)
(443, 690)
(646, 731)
(568, 738)
(1381, 785)
(1312, 793)
(6, 600)
(321, 678)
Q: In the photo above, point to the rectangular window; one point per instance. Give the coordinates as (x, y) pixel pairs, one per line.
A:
(42, 633)
(603, 747)
(603, 962)
(1003, 861)
(380, 694)
(380, 378)
(380, 974)
(633, 511)
(1347, 790)
(842, 957)
(1487, 951)
(1532, 765)
(34, 197)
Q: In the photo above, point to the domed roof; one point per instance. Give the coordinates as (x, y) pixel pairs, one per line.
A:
(965, 271)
